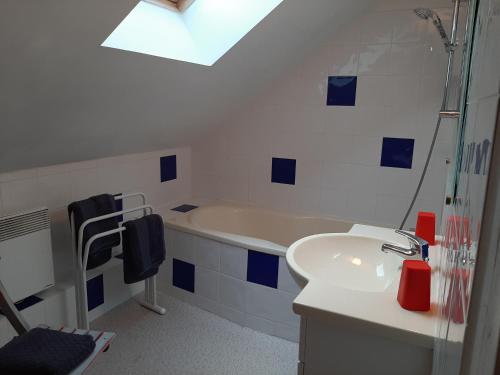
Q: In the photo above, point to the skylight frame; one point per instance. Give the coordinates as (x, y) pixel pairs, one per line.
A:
(201, 34)
(178, 5)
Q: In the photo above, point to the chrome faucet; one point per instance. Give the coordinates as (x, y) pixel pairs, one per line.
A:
(418, 249)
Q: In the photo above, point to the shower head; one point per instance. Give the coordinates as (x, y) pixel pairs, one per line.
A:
(425, 14)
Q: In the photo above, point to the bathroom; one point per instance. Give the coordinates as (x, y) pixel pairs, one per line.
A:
(281, 146)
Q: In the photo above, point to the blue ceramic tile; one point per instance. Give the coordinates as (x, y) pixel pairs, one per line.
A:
(168, 168)
(95, 292)
(183, 275)
(397, 152)
(119, 207)
(262, 268)
(184, 208)
(283, 171)
(26, 303)
(342, 91)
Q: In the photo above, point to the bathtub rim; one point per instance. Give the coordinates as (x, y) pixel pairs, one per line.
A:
(179, 223)
(245, 242)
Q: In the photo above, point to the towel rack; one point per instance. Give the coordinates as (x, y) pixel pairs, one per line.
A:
(81, 254)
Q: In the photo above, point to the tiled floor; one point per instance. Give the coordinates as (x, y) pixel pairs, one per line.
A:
(188, 341)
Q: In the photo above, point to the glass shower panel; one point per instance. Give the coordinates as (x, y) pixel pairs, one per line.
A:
(461, 221)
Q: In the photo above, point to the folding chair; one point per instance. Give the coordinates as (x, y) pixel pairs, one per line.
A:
(102, 339)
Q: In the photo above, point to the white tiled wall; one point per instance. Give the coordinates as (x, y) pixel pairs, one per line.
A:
(400, 63)
(57, 186)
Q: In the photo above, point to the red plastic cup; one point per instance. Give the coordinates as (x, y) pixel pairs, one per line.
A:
(426, 227)
(414, 292)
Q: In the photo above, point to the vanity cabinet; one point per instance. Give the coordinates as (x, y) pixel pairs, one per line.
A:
(340, 348)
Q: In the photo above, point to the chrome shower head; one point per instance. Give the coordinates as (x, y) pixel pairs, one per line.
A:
(425, 14)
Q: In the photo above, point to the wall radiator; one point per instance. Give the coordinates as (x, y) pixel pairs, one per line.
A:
(26, 265)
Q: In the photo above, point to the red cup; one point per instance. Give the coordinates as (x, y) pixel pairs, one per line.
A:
(426, 227)
(414, 292)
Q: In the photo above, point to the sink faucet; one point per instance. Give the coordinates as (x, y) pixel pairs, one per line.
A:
(418, 249)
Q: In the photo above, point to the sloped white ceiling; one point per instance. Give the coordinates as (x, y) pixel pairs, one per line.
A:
(64, 98)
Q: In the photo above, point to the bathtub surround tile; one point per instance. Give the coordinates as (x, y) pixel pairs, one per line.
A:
(183, 275)
(95, 292)
(232, 292)
(397, 152)
(263, 269)
(168, 168)
(230, 297)
(183, 246)
(233, 261)
(283, 171)
(341, 91)
(286, 281)
(208, 254)
(270, 304)
(206, 283)
(225, 312)
(184, 208)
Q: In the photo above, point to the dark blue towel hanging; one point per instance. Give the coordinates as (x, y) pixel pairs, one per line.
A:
(143, 248)
(100, 251)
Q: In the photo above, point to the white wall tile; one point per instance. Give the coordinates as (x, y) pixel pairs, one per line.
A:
(376, 28)
(375, 59)
(84, 184)
(343, 60)
(20, 195)
(372, 91)
(400, 64)
(406, 59)
(55, 190)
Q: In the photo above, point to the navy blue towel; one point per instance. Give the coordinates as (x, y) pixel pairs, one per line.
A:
(143, 248)
(43, 352)
(100, 251)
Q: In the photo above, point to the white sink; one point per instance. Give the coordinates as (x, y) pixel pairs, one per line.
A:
(343, 260)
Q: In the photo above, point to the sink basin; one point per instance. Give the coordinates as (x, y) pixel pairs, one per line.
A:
(343, 260)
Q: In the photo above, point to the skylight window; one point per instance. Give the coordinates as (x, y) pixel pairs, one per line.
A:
(195, 31)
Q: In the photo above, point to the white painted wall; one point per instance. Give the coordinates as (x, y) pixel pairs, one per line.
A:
(400, 63)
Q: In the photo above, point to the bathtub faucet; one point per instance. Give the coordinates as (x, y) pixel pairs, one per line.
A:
(418, 250)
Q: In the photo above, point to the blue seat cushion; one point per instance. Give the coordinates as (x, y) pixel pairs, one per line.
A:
(44, 351)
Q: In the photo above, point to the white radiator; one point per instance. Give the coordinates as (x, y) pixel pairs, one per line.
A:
(26, 265)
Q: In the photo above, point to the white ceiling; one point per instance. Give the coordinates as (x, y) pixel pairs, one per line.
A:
(64, 98)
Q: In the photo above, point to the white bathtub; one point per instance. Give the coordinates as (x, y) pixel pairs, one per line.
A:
(254, 228)
(230, 260)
